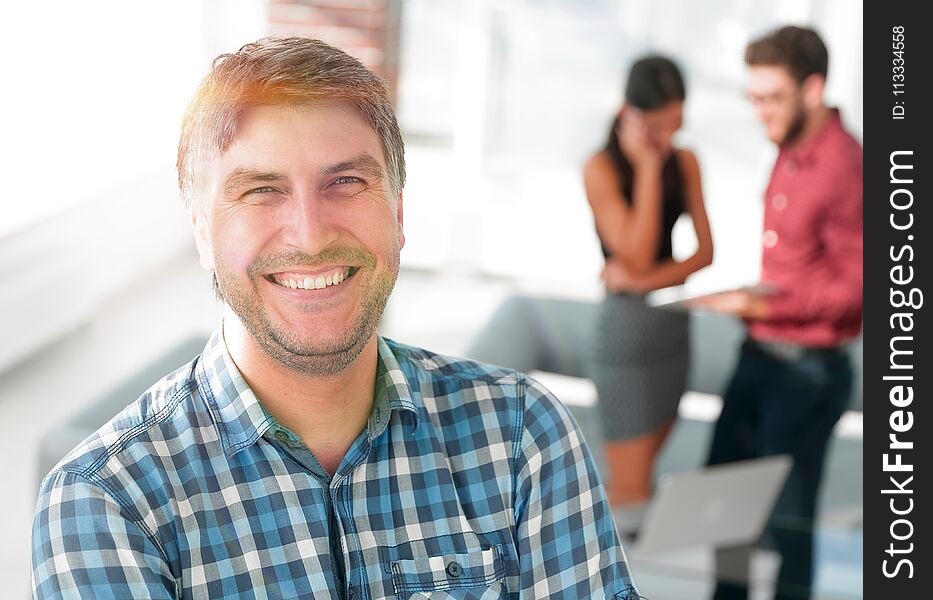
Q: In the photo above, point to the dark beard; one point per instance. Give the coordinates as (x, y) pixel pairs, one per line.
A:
(796, 125)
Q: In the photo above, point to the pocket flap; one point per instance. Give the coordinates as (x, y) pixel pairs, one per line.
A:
(448, 572)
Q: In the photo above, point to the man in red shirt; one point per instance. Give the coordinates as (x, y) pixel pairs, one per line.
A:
(793, 378)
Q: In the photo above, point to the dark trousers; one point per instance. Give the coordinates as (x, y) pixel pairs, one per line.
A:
(775, 404)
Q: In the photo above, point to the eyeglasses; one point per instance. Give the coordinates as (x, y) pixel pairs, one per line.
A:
(770, 100)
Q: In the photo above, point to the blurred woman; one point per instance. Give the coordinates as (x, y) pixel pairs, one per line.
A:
(637, 186)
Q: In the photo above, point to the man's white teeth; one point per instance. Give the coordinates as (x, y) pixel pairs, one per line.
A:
(314, 283)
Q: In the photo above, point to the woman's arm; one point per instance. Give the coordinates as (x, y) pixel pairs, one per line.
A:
(619, 277)
(631, 233)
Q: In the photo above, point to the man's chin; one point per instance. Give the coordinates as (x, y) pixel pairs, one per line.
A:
(307, 346)
(319, 356)
(778, 137)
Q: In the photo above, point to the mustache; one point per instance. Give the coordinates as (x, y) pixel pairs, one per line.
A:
(335, 253)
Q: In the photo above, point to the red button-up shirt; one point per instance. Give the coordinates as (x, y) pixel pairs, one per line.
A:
(813, 241)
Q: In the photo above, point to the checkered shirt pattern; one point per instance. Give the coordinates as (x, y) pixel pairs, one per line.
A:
(470, 481)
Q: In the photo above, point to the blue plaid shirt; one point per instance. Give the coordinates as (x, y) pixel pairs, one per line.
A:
(470, 481)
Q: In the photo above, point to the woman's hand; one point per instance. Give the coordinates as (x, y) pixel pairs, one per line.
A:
(619, 278)
(634, 141)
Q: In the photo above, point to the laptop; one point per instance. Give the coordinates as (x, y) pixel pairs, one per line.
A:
(720, 506)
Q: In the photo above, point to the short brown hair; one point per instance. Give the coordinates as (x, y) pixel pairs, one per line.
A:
(798, 49)
(280, 71)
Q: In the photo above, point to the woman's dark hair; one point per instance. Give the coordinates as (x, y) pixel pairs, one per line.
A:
(653, 82)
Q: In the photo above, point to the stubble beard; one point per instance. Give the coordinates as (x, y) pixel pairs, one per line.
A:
(310, 356)
(796, 126)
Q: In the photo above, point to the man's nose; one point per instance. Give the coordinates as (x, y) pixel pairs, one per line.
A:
(764, 113)
(310, 223)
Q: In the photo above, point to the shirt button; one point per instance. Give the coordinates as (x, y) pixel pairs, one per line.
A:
(779, 202)
(769, 239)
(454, 569)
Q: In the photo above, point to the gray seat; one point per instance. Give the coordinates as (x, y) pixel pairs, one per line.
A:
(546, 334)
(62, 438)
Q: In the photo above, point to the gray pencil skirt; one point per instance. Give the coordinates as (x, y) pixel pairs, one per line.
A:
(639, 364)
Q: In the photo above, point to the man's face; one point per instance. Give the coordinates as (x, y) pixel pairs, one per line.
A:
(778, 100)
(303, 233)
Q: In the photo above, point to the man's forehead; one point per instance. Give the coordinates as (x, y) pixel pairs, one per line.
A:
(769, 77)
(317, 114)
(333, 132)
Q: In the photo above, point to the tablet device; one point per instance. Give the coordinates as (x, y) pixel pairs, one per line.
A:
(677, 296)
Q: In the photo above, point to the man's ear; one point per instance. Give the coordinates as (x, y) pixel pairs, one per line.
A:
(398, 216)
(202, 238)
(812, 88)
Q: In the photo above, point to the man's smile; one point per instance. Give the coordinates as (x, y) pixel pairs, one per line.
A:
(306, 280)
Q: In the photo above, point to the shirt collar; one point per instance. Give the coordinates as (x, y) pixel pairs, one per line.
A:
(811, 149)
(393, 391)
(240, 417)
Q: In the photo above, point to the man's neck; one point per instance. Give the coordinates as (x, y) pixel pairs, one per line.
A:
(327, 412)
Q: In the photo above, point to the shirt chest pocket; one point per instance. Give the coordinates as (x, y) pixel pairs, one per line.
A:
(475, 575)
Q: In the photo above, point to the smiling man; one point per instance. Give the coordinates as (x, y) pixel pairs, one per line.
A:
(301, 455)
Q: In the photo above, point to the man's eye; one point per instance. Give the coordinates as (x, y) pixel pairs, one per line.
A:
(346, 185)
(261, 190)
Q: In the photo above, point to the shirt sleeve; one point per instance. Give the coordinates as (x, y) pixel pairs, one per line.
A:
(839, 295)
(567, 542)
(84, 545)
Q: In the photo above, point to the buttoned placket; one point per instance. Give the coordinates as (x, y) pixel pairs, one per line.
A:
(292, 446)
(340, 491)
(340, 498)
(337, 502)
